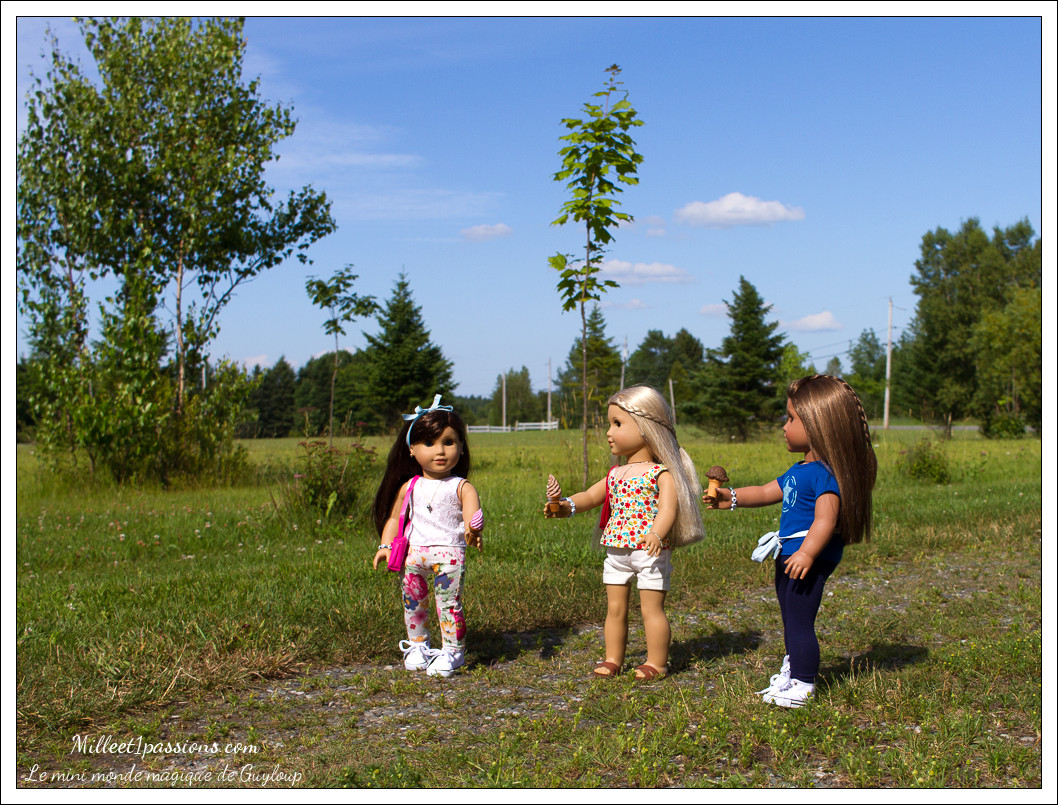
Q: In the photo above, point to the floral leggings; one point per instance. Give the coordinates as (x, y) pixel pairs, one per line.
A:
(446, 565)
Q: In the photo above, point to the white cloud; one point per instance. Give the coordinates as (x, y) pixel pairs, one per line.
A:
(483, 232)
(642, 273)
(632, 304)
(716, 309)
(256, 360)
(657, 232)
(736, 209)
(816, 322)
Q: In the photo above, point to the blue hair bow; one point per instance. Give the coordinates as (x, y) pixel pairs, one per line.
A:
(435, 406)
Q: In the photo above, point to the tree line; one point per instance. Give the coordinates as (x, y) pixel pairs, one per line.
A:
(973, 349)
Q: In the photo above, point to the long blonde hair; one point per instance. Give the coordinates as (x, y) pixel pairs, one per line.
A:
(651, 414)
(839, 435)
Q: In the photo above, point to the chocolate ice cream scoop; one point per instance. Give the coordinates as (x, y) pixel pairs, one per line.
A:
(717, 476)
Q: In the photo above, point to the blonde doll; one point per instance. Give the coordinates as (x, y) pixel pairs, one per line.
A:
(425, 480)
(826, 504)
(653, 508)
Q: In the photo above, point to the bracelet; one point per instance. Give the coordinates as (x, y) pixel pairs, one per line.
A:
(384, 546)
(734, 498)
(572, 506)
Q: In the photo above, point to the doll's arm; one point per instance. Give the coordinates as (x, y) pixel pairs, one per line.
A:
(667, 504)
(819, 533)
(389, 529)
(588, 499)
(749, 497)
(471, 506)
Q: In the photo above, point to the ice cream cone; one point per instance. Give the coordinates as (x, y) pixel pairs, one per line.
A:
(717, 476)
(554, 495)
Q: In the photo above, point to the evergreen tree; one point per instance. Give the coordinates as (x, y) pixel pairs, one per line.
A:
(604, 372)
(352, 400)
(312, 394)
(736, 391)
(649, 365)
(687, 350)
(659, 359)
(405, 368)
(473, 409)
(274, 400)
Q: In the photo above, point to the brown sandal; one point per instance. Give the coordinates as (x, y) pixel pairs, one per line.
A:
(644, 673)
(612, 669)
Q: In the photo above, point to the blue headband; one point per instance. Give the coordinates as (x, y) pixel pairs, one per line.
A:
(436, 406)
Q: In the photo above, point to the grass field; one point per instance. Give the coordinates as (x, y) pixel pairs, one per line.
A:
(208, 616)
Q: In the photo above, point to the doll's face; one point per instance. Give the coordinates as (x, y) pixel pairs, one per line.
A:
(794, 431)
(438, 456)
(624, 436)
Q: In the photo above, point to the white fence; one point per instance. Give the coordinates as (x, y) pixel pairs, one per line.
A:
(515, 427)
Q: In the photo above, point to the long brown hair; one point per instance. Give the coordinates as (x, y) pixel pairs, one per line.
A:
(401, 465)
(839, 435)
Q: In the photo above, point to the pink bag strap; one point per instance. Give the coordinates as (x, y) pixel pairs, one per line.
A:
(404, 505)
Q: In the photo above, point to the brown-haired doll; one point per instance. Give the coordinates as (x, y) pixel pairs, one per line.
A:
(826, 504)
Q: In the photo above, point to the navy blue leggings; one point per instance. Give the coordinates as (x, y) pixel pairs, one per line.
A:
(799, 603)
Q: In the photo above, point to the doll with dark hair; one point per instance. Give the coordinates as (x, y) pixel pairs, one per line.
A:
(425, 485)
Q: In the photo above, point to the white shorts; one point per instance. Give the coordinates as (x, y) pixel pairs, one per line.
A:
(651, 572)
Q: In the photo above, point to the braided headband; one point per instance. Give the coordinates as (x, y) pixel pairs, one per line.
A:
(435, 406)
(644, 415)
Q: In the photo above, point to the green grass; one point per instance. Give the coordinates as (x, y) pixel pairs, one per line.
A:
(209, 614)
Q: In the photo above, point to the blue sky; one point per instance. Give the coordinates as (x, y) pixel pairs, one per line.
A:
(809, 155)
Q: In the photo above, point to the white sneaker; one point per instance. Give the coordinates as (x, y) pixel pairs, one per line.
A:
(444, 661)
(779, 679)
(416, 654)
(794, 693)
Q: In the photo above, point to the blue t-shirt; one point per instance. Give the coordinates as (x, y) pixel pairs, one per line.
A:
(801, 485)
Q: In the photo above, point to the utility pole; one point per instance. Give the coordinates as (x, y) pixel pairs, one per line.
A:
(504, 377)
(548, 391)
(888, 365)
(624, 361)
(672, 403)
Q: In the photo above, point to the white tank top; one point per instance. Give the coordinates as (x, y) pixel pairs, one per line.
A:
(436, 513)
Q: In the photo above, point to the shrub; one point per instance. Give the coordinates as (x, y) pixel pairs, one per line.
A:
(1003, 426)
(331, 481)
(926, 461)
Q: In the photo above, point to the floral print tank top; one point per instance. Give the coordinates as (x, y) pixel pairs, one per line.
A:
(633, 507)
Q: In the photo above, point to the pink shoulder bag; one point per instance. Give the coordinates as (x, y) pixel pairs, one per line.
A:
(398, 551)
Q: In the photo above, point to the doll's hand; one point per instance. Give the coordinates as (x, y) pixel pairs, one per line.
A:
(381, 555)
(798, 565)
(473, 538)
(556, 508)
(721, 500)
(652, 543)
